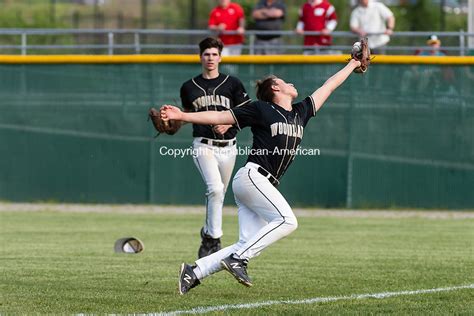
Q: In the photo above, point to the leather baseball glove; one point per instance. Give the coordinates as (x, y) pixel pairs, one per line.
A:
(361, 52)
(169, 127)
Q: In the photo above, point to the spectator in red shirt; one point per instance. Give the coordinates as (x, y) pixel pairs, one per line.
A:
(317, 16)
(228, 16)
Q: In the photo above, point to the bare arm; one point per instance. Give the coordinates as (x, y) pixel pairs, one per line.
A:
(241, 28)
(358, 31)
(219, 28)
(169, 112)
(390, 25)
(263, 13)
(259, 14)
(320, 95)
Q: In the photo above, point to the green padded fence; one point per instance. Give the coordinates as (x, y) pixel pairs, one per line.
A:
(398, 136)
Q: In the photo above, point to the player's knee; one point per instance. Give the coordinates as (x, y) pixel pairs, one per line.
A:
(291, 223)
(215, 190)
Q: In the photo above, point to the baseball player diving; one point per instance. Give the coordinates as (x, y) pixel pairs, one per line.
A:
(214, 145)
(264, 215)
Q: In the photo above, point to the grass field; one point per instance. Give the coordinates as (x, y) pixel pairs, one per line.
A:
(63, 262)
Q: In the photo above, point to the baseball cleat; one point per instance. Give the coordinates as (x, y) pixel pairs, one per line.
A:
(238, 268)
(209, 245)
(187, 279)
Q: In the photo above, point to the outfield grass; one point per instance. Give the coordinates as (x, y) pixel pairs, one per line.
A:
(64, 263)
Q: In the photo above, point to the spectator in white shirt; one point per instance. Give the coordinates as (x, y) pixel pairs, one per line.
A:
(371, 17)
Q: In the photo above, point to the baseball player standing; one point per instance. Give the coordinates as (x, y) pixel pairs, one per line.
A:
(264, 214)
(214, 146)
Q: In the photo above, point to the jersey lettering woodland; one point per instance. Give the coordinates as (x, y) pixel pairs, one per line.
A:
(218, 94)
(277, 132)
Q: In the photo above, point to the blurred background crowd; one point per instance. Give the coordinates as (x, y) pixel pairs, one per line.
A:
(312, 24)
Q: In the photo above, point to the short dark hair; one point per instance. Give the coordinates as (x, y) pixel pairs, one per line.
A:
(264, 88)
(210, 42)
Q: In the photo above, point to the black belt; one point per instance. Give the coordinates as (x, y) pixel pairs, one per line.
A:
(218, 143)
(274, 181)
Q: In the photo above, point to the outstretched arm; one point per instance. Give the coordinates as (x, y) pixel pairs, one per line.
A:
(169, 112)
(320, 96)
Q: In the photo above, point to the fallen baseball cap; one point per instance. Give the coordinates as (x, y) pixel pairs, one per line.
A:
(129, 245)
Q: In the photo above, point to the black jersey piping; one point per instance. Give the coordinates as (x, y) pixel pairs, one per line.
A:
(283, 217)
(294, 145)
(207, 107)
(195, 83)
(220, 84)
(235, 119)
(245, 102)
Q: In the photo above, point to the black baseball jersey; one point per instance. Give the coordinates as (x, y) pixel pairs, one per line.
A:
(219, 94)
(276, 132)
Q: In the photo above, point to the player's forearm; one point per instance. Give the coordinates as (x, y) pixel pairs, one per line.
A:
(320, 96)
(338, 78)
(209, 118)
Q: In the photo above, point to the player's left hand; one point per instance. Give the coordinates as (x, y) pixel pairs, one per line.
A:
(221, 129)
(170, 112)
(361, 53)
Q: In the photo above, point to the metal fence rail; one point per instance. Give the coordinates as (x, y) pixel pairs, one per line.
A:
(141, 41)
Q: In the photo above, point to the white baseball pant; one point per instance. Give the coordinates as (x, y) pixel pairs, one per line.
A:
(215, 165)
(264, 217)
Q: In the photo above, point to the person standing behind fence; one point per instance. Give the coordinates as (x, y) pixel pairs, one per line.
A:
(317, 16)
(269, 15)
(228, 16)
(373, 17)
(435, 47)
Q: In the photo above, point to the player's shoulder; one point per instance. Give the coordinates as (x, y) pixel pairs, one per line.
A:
(190, 84)
(232, 79)
(255, 104)
(304, 102)
(260, 105)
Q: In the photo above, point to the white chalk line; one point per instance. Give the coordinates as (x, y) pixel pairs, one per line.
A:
(208, 309)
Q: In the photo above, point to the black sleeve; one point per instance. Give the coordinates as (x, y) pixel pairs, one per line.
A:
(306, 109)
(246, 115)
(239, 94)
(185, 102)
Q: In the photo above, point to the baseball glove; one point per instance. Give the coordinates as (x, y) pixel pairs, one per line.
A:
(169, 127)
(361, 52)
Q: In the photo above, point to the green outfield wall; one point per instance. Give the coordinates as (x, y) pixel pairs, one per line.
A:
(401, 135)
